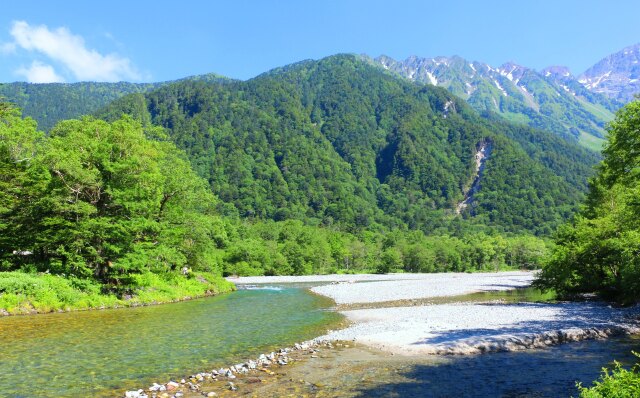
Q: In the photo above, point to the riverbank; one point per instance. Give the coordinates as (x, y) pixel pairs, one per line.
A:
(390, 347)
(421, 328)
(26, 294)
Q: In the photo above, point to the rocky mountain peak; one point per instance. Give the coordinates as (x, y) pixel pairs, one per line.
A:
(617, 75)
(386, 61)
(556, 71)
(512, 71)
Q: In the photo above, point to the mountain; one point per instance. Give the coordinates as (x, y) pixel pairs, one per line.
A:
(342, 142)
(551, 100)
(617, 76)
(51, 102)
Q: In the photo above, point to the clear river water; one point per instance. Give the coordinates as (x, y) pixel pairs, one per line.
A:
(95, 353)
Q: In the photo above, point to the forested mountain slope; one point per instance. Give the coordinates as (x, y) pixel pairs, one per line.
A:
(50, 103)
(340, 141)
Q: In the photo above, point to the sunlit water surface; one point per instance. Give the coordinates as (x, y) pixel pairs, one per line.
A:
(97, 353)
(90, 353)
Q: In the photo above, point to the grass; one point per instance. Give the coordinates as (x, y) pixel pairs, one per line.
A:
(599, 111)
(26, 293)
(590, 141)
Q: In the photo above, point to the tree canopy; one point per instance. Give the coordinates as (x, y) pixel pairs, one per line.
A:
(600, 250)
(99, 200)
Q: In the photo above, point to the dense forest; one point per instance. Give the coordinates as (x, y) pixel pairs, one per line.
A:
(50, 103)
(97, 212)
(599, 251)
(341, 142)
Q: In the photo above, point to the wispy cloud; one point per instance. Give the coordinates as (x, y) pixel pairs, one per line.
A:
(40, 73)
(69, 51)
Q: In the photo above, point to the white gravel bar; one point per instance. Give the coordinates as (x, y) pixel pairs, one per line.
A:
(459, 328)
(480, 328)
(421, 286)
(350, 289)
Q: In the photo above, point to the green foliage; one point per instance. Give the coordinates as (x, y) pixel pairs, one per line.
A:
(618, 383)
(51, 103)
(111, 213)
(100, 201)
(340, 143)
(24, 293)
(600, 250)
(292, 248)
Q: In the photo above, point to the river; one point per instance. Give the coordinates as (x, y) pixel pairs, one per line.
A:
(95, 353)
(91, 353)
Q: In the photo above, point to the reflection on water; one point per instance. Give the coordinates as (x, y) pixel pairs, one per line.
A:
(88, 353)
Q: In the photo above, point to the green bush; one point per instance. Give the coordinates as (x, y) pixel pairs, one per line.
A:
(619, 383)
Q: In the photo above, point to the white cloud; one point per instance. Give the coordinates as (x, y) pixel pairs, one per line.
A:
(68, 49)
(40, 73)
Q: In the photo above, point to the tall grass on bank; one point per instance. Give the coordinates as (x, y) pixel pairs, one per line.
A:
(26, 293)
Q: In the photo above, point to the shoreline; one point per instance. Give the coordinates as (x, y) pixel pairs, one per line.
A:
(133, 304)
(417, 314)
(394, 331)
(63, 297)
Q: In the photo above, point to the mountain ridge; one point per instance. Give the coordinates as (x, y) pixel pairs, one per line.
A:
(341, 141)
(551, 99)
(77, 99)
(617, 75)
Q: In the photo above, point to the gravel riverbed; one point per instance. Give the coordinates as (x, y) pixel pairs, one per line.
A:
(459, 328)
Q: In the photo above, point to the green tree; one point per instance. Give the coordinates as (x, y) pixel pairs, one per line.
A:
(600, 250)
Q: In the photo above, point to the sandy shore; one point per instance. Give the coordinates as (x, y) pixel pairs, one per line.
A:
(459, 328)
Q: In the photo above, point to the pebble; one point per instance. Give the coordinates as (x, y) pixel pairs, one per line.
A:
(263, 361)
(155, 387)
(172, 385)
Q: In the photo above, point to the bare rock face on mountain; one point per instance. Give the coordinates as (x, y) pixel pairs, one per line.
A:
(557, 72)
(617, 76)
(552, 99)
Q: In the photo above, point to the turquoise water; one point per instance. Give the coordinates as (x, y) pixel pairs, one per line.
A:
(91, 353)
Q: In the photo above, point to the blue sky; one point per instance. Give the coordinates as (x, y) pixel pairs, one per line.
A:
(156, 40)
